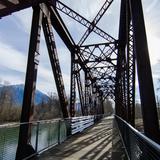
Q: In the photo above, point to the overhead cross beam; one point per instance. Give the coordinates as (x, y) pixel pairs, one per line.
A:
(95, 21)
(77, 17)
(7, 7)
(61, 28)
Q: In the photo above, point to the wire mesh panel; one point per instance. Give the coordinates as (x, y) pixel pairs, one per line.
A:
(138, 146)
(63, 131)
(43, 135)
(47, 134)
(8, 142)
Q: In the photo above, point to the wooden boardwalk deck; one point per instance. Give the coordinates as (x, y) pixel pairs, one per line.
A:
(100, 142)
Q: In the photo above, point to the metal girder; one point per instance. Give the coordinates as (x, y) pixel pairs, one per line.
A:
(95, 21)
(8, 7)
(7, 3)
(30, 86)
(61, 29)
(87, 94)
(99, 44)
(80, 89)
(53, 55)
(131, 75)
(73, 87)
(100, 64)
(100, 53)
(119, 95)
(55, 18)
(106, 69)
(148, 102)
(77, 17)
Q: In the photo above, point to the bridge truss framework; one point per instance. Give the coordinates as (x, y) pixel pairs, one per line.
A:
(109, 68)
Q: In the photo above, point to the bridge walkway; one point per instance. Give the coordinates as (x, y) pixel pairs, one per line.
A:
(99, 142)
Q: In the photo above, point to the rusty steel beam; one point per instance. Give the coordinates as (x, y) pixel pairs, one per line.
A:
(148, 102)
(61, 28)
(73, 86)
(9, 7)
(97, 18)
(80, 89)
(30, 86)
(80, 19)
(119, 105)
(53, 55)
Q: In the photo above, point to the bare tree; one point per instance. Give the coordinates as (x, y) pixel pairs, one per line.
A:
(108, 107)
(49, 108)
(7, 96)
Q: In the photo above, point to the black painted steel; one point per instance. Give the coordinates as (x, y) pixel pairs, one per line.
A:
(53, 55)
(24, 147)
(8, 7)
(80, 88)
(149, 110)
(120, 106)
(77, 17)
(72, 87)
(97, 18)
(108, 68)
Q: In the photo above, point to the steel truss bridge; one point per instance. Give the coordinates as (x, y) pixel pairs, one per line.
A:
(109, 67)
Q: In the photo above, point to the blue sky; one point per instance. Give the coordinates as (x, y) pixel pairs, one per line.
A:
(15, 33)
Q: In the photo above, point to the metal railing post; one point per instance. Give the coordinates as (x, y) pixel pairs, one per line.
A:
(37, 133)
(59, 132)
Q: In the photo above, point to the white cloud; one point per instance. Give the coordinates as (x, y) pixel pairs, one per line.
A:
(14, 60)
(152, 5)
(24, 18)
(154, 48)
(11, 58)
(86, 8)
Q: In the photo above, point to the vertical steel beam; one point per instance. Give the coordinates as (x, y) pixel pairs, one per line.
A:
(148, 103)
(128, 19)
(53, 55)
(87, 94)
(101, 103)
(72, 86)
(30, 86)
(130, 75)
(80, 89)
(119, 106)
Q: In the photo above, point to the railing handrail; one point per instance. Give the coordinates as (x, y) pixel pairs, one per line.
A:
(16, 124)
(31, 122)
(150, 142)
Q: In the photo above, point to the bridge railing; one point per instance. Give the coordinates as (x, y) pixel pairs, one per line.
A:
(138, 146)
(44, 134)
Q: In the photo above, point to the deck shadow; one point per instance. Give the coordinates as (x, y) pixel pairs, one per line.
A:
(92, 144)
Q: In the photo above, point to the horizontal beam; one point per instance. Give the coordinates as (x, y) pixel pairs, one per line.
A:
(99, 44)
(80, 19)
(9, 7)
(93, 24)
